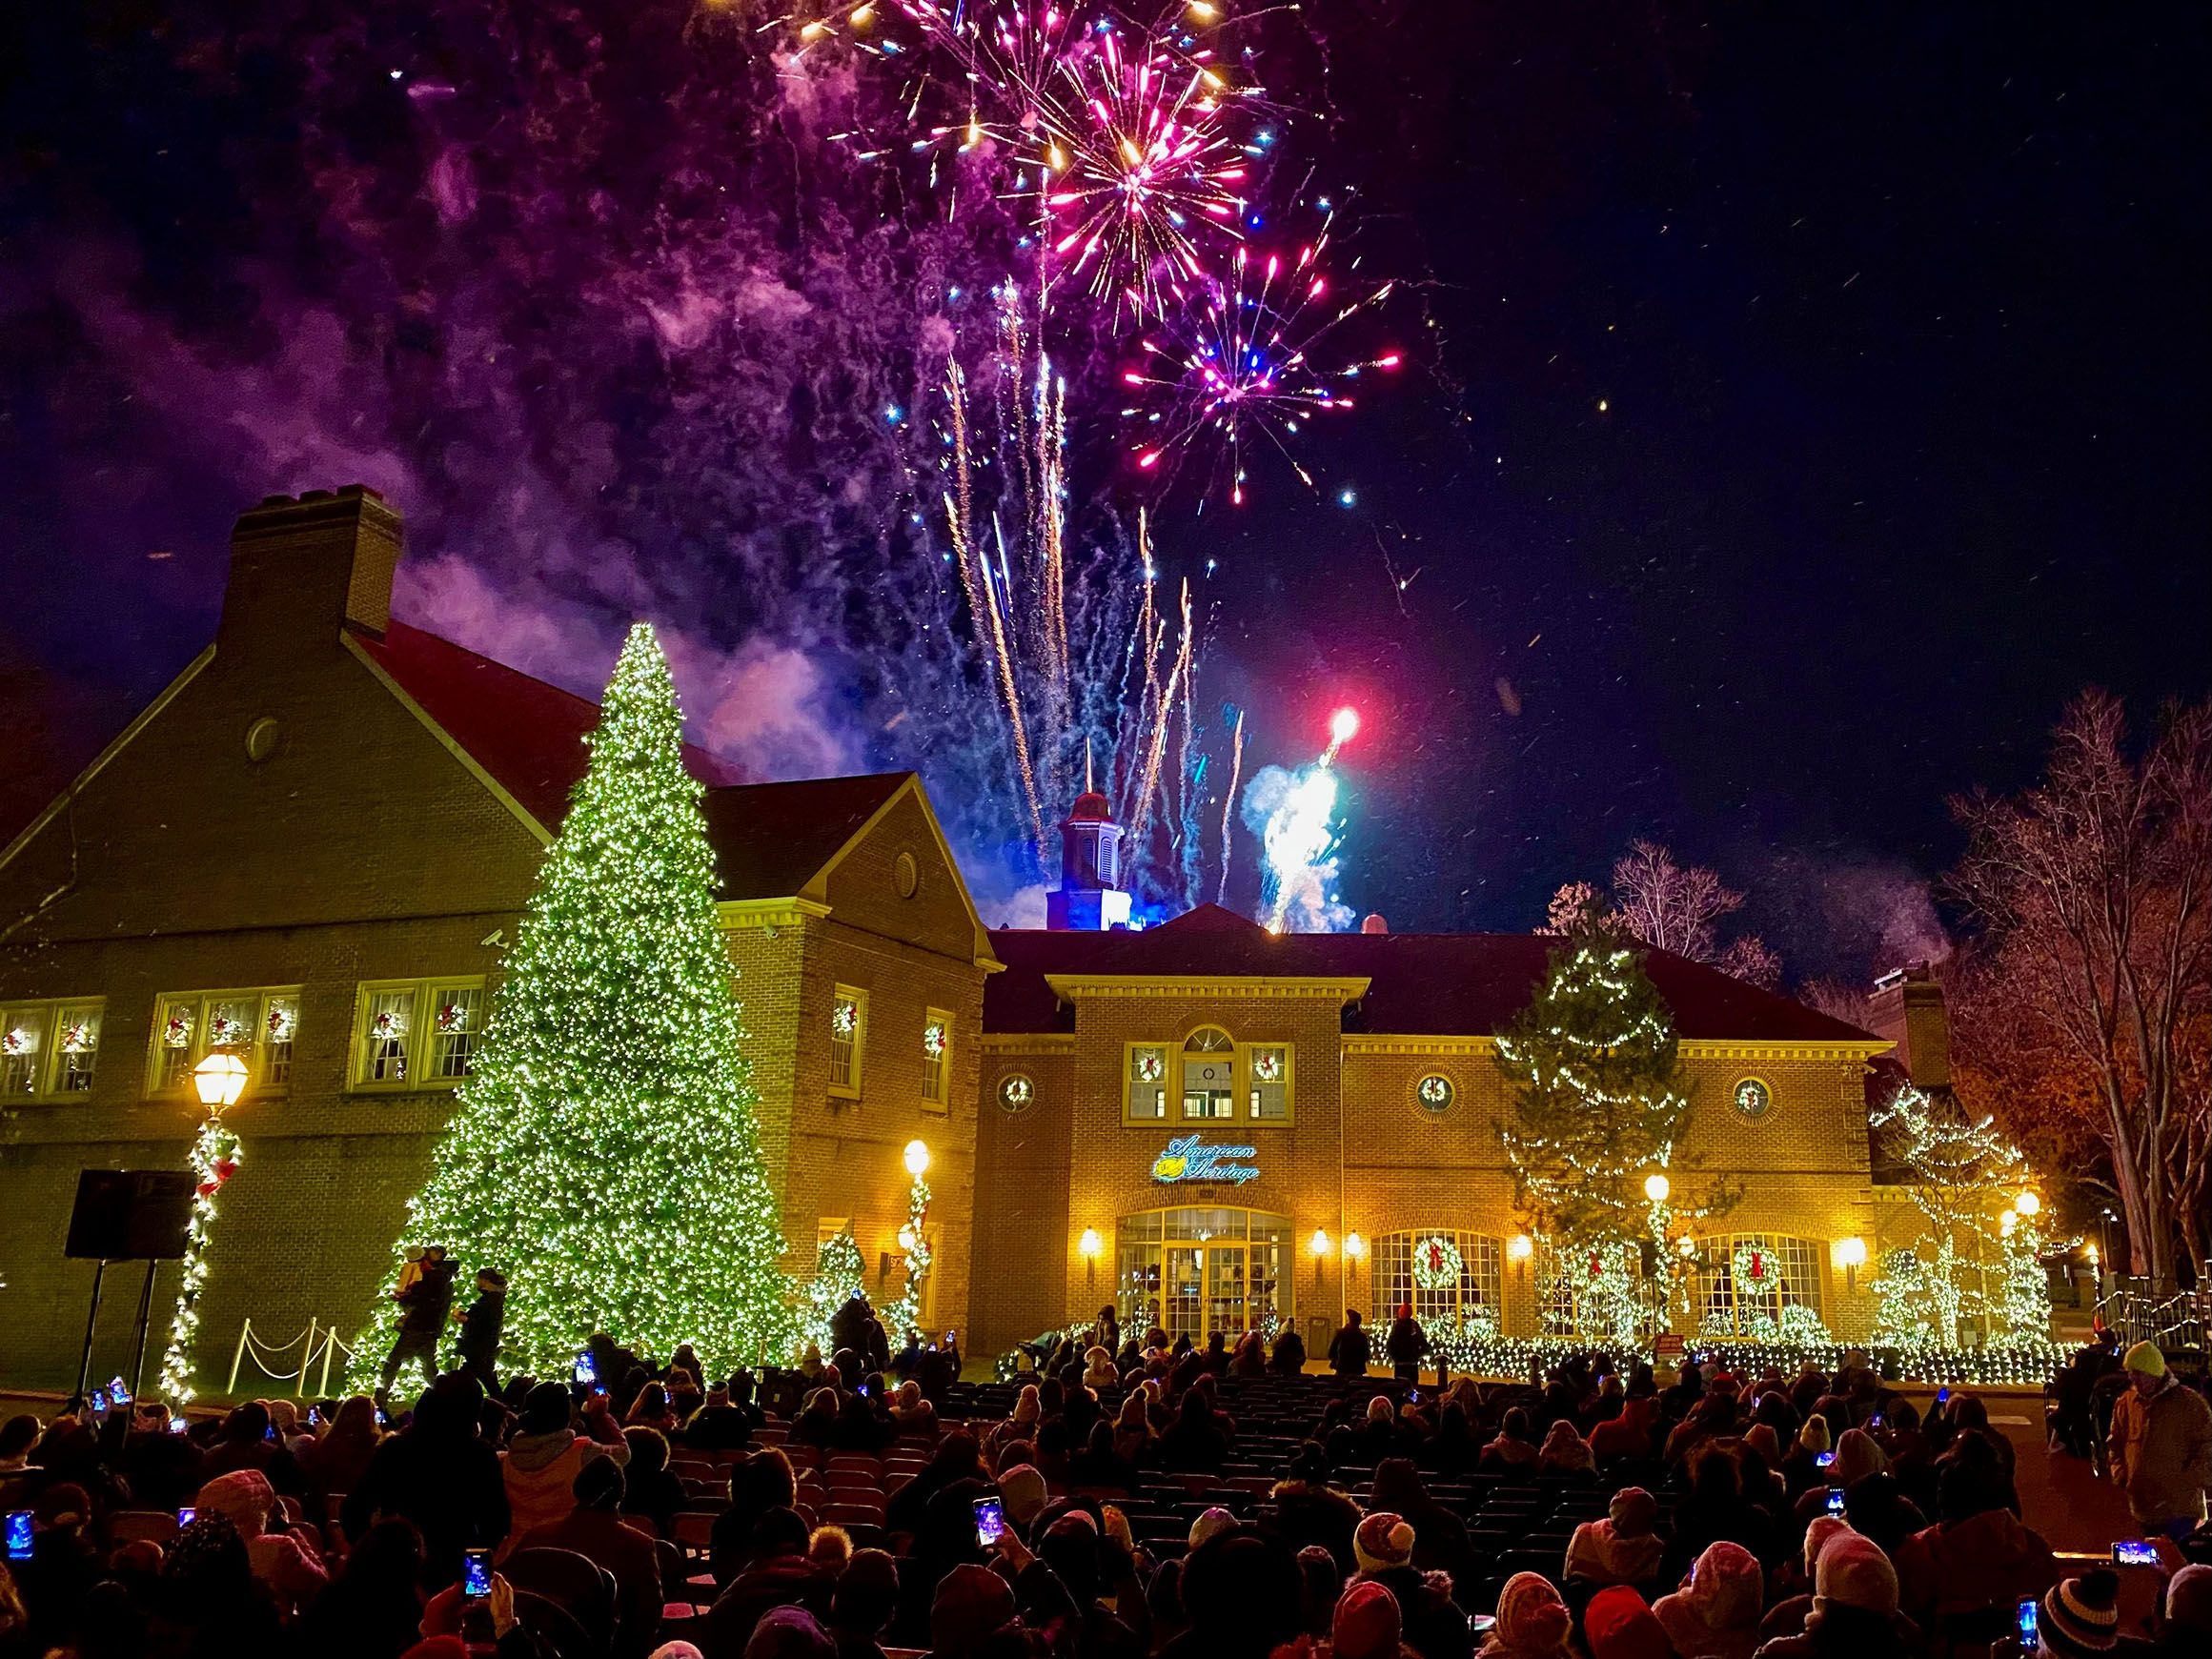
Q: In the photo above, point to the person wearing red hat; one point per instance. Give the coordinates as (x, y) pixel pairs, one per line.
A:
(1617, 1625)
(1406, 1346)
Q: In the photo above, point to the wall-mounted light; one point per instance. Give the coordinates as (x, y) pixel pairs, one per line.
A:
(1090, 1246)
(1850, 1255)
(1520, 1246)
(1687, 1246)
(1319, 1244)
(1354, 1246)
(2027, 1204)
(1656, 1187)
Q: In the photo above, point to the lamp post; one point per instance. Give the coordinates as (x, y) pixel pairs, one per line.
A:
(218, 1080)
(912, 1238)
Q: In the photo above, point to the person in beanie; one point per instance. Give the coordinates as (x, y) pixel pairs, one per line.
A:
(1854, 1607)
(1366, 1625)
(1716, 1614)
(971, 1606)
(2183, 1626)
(538, 1468)
(1532, 1622)
(2079, 1616)
(1623, 1547)
(1406, 1345)
(1434, 1628)
(2160, 1446)
(1617, 1625)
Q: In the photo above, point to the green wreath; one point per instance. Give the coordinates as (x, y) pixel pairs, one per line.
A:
(1754, 1269)
(1437, 1262)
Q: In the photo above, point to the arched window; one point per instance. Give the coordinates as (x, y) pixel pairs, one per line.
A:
(1758, 1287)
(1198, 1270)
(1415, 1266)
(1595, 1295)
(1210, 1066)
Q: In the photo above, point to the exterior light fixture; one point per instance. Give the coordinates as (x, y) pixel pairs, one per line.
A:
(1850, 1255)
(916, 1158)
(1090, 1246)
(1520, 1246)
(220, 1080)
(1319, 1244)
(2028, 1204)
(1687, 1246)
(1656, 1187)
(1354, 1246)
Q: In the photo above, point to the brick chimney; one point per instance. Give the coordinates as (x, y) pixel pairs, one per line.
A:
(1907, 1009)
(302, 570)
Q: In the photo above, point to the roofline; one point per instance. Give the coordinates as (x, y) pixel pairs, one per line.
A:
(144, 719)
(1068, 987)
(453, 745)
(910, 783)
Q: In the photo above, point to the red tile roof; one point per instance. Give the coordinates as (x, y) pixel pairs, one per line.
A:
(1422, 984)
(527, 734)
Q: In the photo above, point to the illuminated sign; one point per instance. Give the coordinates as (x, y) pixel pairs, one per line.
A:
(1187, 1158)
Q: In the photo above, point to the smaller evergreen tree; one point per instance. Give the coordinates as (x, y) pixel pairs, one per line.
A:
(1598, 1106)
(841, 1275)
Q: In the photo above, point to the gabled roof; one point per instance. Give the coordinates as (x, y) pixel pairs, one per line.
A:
(772, 840)
(526, 735)
(1421, 984)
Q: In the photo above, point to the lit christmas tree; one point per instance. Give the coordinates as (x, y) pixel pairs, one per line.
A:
(840, 1276)
(1599, 1110)
(1978, 1259)
(604, 1152)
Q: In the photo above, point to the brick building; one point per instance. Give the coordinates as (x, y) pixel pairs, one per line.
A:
(329, 816)
(332, 816)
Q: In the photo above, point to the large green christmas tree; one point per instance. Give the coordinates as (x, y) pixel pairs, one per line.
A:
(1599, 1108)
(604, 1153)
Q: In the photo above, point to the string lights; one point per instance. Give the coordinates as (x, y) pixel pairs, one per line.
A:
(215, 1159)
(604, 1151)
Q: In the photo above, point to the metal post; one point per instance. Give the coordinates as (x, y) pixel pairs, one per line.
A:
(145, 1318)
(92, 1319)
(307, 1354)
(238, 1359)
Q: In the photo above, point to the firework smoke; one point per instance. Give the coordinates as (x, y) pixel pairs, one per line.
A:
(1294, 815)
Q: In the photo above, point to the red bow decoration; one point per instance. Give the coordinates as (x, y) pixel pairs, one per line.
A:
(1435, 1257)
(207, 1188)
(224, 1168)
(1759, 1266)
(1595, 1267)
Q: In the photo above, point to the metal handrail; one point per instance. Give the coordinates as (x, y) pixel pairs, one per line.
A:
(2135, 1309)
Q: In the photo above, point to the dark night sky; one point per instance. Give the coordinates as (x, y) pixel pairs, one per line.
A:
(1897, 313)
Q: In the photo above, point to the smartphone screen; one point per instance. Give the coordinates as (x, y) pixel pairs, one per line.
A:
(2028, 1620)
(1482, 1624)
(1834, 1501)
(990, 1520)
(1942, 1396)
(2135, 1552)
(476, 1575)
(19, 1535)
(1822, 1460)
(585, 1370)
(186, 1516)
(1874, 1421)
(99, 1398)
(861, 1390)
(178, 1424)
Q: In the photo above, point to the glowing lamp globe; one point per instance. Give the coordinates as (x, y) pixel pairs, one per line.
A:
(2028, 1204)
(917, 1159)
(1851, 1252)
(1343, 725)
(1319, 1242)
(1520, 1246)
(1656, 1187)
(1688, 1246)
(220, 1080)
(905, 1238)
(1091, 1244)
(1354, 1246)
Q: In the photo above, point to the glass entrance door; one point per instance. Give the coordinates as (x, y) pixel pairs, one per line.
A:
(1225, 1290)
(1184, 1314)
(1196, 1271)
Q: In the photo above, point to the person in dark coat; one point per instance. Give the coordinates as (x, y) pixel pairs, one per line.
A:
(480, 1324)
(1349, 1351)
(777, 1574)
(1194, 1444)
(425, 1305)
(439, 1475)
(1288, 1357)
(1408, 1345)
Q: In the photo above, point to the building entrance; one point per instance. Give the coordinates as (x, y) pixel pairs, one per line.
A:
(1192, 1272)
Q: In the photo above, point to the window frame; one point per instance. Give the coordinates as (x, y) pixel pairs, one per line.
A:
(857, 1071)
(1249, 1084)
(425, 1063)
(942, 1100)
(254, 1053)
(46, 1062)
(1130, 1080)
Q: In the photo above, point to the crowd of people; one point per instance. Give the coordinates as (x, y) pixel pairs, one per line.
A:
(1130, 1497)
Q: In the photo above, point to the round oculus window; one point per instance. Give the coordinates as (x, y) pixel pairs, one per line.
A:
(1016, 1092)
(1435, 1094)
(261, 739)
(1754, 1099)
(906, 874)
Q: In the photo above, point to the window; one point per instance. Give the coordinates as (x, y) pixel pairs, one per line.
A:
(935, 1057)
(1268, 1093)
(48, 1047)
(1017, 1091)
(1209, 1075)
(1759, 1286)
(1590, 1294)
(418, 1034)
(848, 1038)
(1415, 1268)
(257, 1026)
(1147, 1083)
(1435, 1094)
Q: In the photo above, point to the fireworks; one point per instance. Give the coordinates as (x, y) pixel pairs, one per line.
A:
(1248, 363)
(1294, 814)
